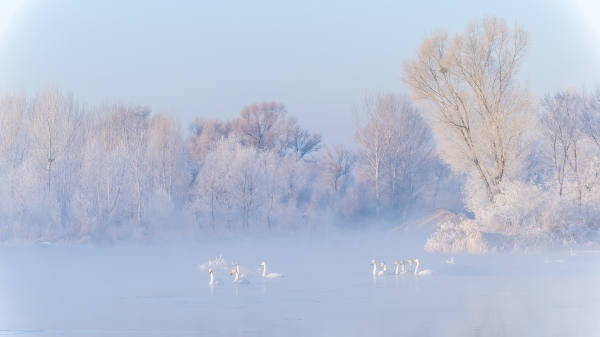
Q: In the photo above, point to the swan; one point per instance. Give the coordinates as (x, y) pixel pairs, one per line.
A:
(422, 272)
(397, 264)
(405, 271)
(264, 274)
(238, 279)
(410, 262)
(212, 278)
(384, 267)
(237, 268)
(374, 264)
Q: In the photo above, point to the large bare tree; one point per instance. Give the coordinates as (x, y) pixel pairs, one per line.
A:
(469, 87)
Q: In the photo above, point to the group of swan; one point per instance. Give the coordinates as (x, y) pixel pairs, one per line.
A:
(239, 279)
(397, 264)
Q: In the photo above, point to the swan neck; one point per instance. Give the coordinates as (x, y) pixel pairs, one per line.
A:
(375, 269)
(403, 267)
(236, 277)
(397, 266)
(264, 270)
(212, 278)
(417, 268)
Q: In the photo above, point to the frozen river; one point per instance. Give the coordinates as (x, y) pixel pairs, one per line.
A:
(327, 290)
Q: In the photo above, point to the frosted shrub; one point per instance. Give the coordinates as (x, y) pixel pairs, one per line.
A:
(462, 237)
(521, 217)
(217, 265)
(534, 216)
(220, 265)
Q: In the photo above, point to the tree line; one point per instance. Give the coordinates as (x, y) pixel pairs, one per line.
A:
(117, 171)
(470, 137)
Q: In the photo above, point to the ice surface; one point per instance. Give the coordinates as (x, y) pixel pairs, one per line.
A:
(327, 290)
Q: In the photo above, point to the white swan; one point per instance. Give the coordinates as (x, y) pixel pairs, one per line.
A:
(395, 272)
(264, 274)
(405, 271)
(384, 267)
(374, 264)
(238, 279)
(212, 278)
(422, 272)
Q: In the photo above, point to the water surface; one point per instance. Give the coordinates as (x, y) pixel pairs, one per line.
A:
(327, 290)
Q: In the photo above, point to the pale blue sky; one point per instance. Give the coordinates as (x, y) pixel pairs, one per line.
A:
(212, 58)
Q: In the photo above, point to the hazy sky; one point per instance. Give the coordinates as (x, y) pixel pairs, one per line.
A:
(211, 58)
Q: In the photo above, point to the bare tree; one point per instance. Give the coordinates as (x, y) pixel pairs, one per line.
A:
(104, 179)
(52, 122)
(134, 130)
(410, 147)
(592, 116)
(215, 184)
(263, 125)
(13, 141)
(337, 163)
(205, 134)
(249, 181)
(373, 134)
(395, 143)
(273, 184)
(165, 149)
(469, 87)
(302, 142)
(561, 119)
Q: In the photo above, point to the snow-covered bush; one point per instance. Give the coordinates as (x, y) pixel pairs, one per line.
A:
(463, 236)
(220, 265)
(521, 217)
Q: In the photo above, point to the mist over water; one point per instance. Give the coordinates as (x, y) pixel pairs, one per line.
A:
(327, 290)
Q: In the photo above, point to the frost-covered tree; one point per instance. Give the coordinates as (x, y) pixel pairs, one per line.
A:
(338, 163)
(205, 134)
(592, 115)
(301, 142)
(13, 128)
(263, 125)
(53, 121)
(395, 143)
(372, 132)
(249, 182)
(469, 88)
(406, 167)
(561, 118)
(134, 129)
(166, 155)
